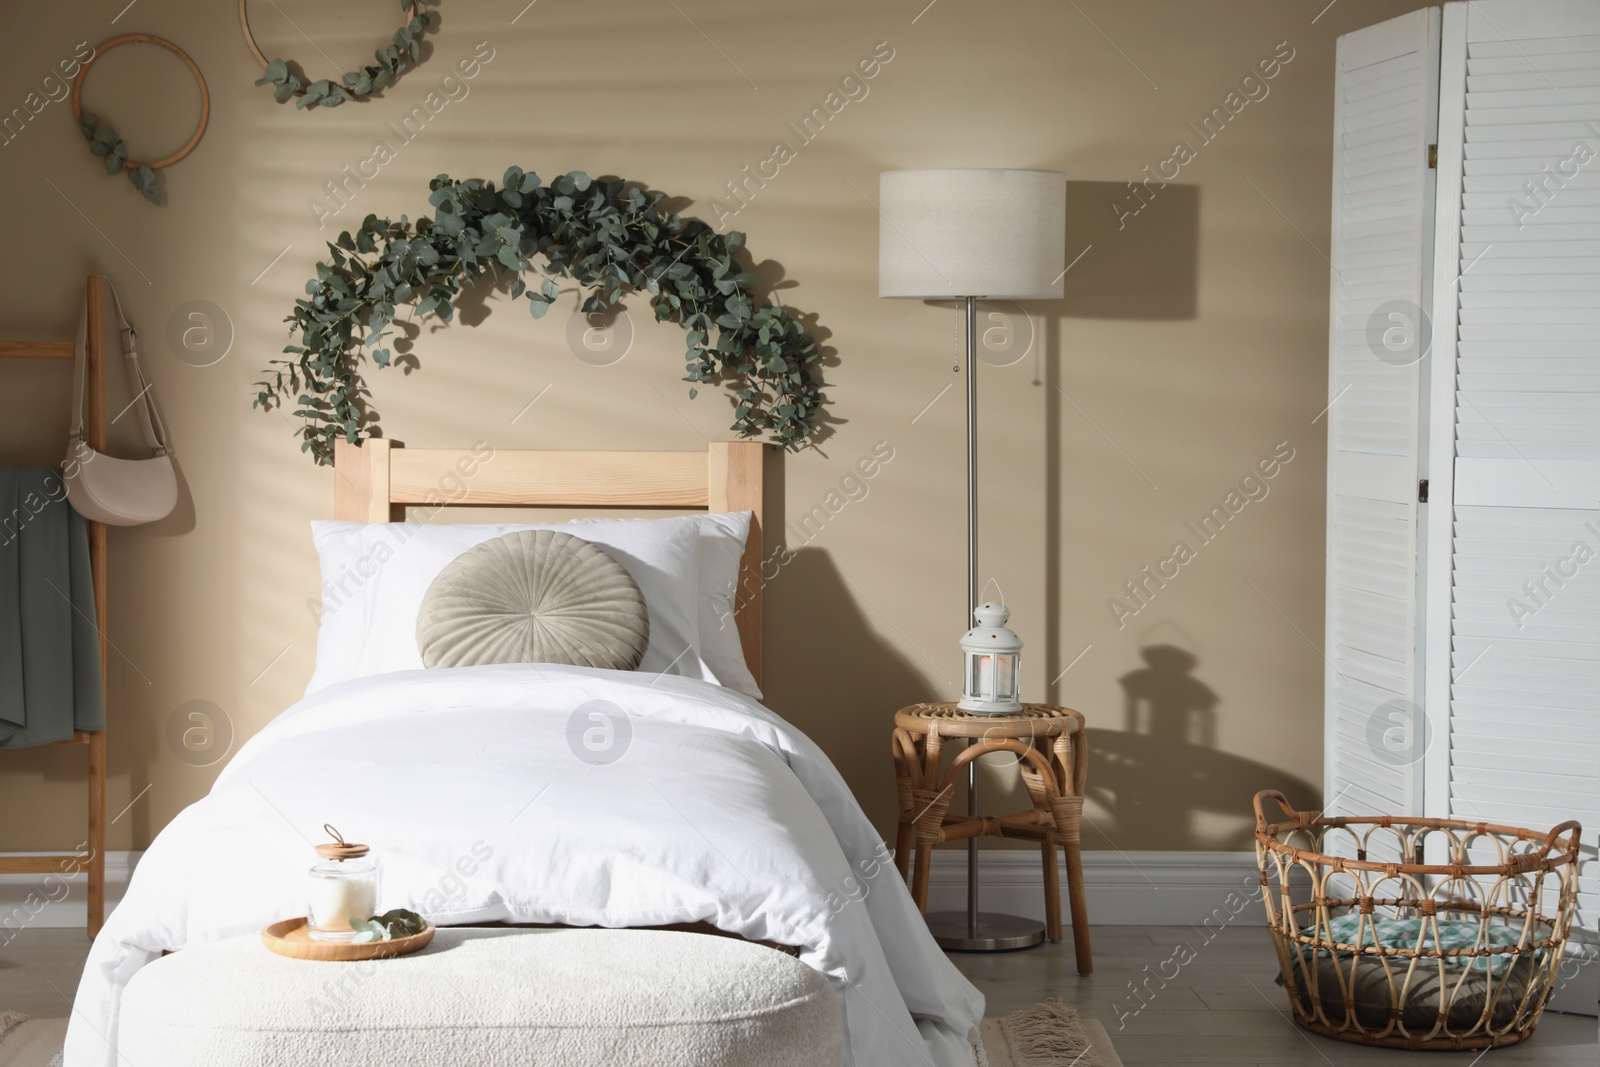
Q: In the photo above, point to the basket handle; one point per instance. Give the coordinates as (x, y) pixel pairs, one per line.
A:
(1303, 819)
(1572, 826)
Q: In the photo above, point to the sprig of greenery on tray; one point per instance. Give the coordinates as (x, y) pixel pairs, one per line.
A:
(389, 926)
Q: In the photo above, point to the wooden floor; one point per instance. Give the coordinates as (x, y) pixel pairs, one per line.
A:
(39, 972)
(1222, 1007)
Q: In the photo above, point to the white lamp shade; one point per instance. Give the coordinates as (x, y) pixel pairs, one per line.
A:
(972, 232)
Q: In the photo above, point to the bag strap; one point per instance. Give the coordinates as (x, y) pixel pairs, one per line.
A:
(155, 434)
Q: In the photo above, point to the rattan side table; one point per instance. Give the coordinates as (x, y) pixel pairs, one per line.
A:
(1053, 757)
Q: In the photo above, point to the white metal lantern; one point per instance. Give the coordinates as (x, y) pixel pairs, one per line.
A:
(993, 675)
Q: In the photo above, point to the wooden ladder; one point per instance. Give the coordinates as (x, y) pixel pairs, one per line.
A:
(95, 430)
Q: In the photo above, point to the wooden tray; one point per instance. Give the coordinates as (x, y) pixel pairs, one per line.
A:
(289, 938)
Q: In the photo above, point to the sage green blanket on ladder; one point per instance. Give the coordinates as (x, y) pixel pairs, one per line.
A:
(49, 645)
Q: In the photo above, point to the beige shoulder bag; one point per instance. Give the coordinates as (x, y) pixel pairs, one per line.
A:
(118, 492)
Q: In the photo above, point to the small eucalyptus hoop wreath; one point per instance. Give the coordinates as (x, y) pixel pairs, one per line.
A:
(104, 140)
(403, 52)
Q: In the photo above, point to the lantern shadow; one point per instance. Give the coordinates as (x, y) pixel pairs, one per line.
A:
(1161, 779)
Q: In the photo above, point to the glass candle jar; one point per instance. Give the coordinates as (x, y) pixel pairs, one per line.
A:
(343, 885)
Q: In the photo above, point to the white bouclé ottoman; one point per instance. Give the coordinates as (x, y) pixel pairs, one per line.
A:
(490, 998)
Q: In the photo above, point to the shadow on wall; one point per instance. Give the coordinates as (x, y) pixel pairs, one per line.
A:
(1143, 252)
(1161, 776)
(1134, 255)
(1124, 262)
(852, 722)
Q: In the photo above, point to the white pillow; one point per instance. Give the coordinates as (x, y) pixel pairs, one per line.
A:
(722, 538)
(374, 576)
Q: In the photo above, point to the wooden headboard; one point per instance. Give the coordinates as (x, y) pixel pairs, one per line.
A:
(377, 479)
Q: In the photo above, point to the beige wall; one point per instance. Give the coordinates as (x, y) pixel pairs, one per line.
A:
(1191, 342)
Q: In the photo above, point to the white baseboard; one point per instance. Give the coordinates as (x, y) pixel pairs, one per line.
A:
(1121, 888)
(58, 901)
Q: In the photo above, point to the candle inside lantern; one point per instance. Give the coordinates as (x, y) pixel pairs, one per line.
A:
(983, 683)
(1004, 681)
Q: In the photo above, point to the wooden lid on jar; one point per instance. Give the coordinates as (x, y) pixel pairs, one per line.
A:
(340, 849)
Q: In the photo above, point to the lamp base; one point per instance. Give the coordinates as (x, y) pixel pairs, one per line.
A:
(995, 932)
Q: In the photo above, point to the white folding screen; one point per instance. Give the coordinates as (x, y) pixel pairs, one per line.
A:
(1463, 634)
(1512, 660)
(1385, 116)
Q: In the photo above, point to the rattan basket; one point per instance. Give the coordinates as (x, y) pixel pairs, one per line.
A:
(1416, 933)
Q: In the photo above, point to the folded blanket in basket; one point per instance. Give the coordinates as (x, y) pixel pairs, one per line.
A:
(49, 644)
(1459, 935)
(1376, 985)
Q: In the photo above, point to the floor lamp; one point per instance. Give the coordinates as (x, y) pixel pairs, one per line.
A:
(969, 234)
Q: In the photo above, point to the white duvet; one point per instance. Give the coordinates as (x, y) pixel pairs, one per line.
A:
(490, 793)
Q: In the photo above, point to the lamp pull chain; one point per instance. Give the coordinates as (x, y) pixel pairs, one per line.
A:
(955, 368)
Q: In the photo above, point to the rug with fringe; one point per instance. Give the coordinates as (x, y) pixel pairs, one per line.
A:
(1049, 1034)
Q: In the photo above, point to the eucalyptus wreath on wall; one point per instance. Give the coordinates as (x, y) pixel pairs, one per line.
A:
(403, 51)
(105, 142)
(609, 236)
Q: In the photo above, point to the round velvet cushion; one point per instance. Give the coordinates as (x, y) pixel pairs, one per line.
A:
(534, 596)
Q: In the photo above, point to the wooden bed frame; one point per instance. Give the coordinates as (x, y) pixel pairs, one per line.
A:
(379, 478)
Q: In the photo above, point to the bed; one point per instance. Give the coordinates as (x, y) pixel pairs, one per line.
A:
(478, 789)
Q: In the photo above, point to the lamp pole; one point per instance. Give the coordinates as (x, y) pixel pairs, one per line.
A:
(972, 930)
(972, 588)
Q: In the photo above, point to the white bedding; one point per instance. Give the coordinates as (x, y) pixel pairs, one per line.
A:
(480, 808)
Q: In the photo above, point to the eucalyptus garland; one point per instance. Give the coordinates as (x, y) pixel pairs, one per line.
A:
(392, 60)
(609, 236)
(104, 142)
